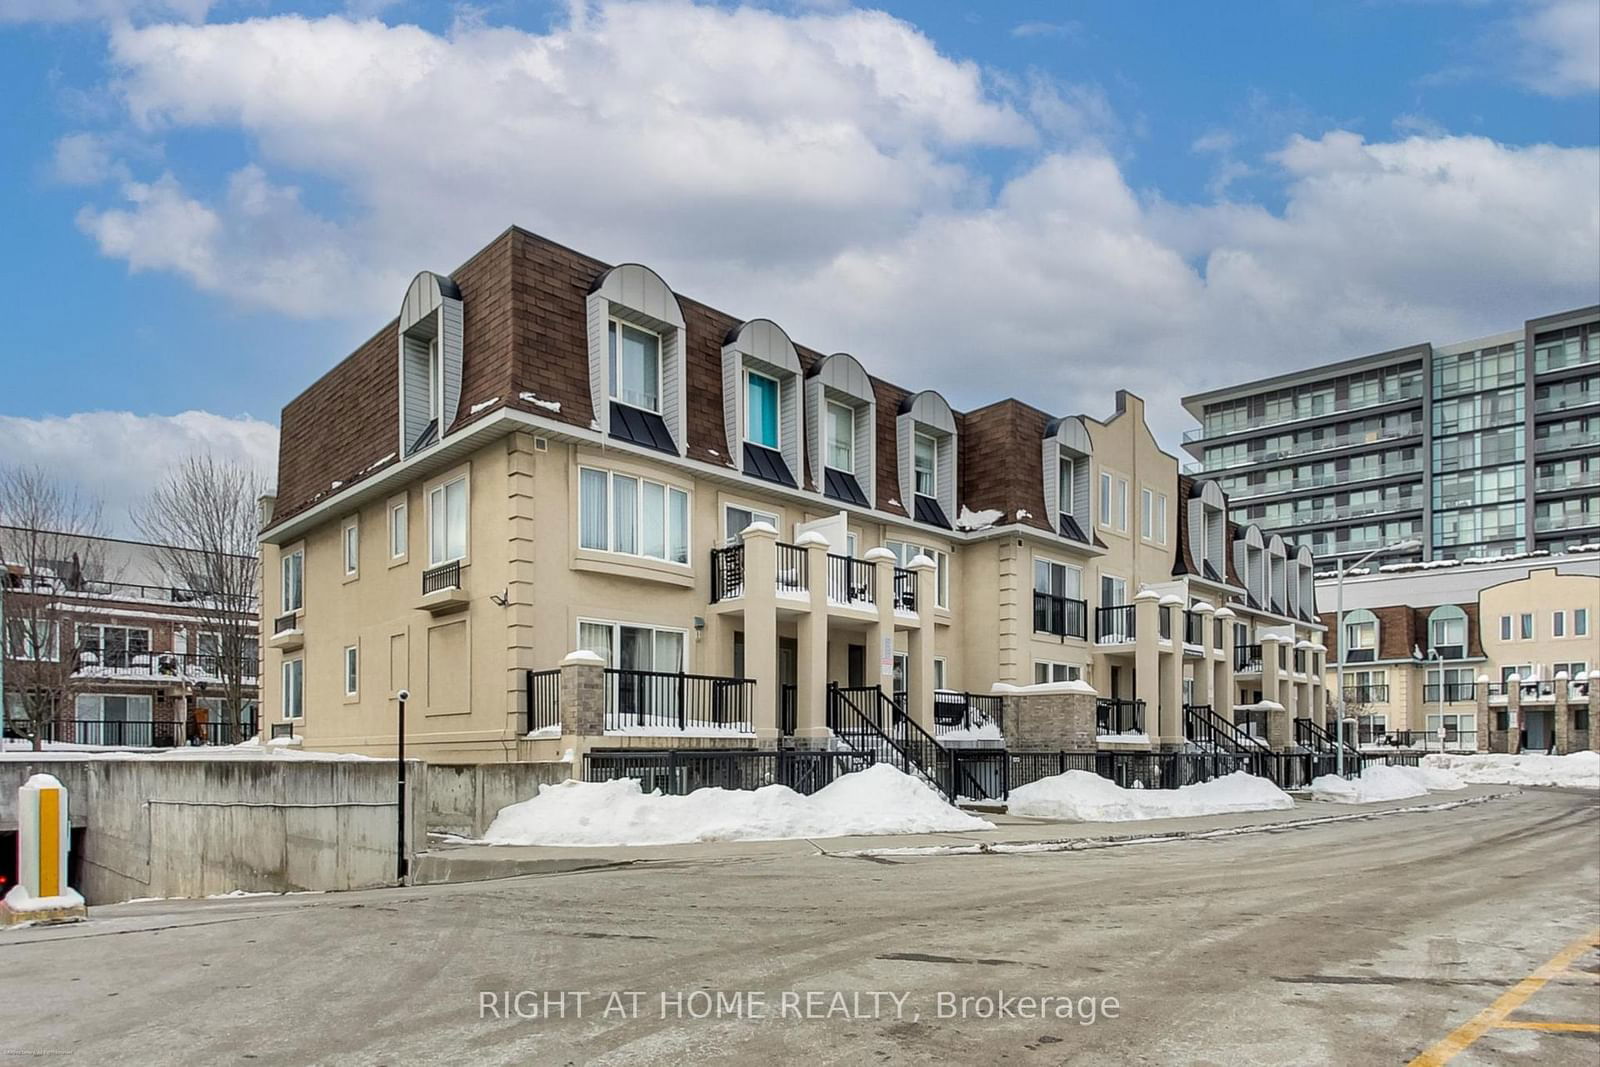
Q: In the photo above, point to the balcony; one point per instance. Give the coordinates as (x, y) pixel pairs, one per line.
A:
(1060, 616)
(1113, 717)
(1566, 401)
(968, 713)
(791, 575)
(204, 668)
(1114, 625)
(441, 589)
(852, 583)
(1450, 692)
(1328, 444)
(1563, 441)
(1557, 483)
(1551, 358)
(1220, 428)
(1566, 520)
(1320, 481)
(660, 702)
(1247, 659)
(905, 591)
(1366, 694)
(287, 634)
(1194, 629)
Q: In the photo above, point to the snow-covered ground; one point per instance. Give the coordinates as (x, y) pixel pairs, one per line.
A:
(1086, 797)
(1578, 769)
(1381, 782)
(986, 732)
(282, 748)
(878, 800)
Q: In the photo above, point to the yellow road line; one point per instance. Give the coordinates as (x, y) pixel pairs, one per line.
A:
(1576, 1028)
(1509, 1001)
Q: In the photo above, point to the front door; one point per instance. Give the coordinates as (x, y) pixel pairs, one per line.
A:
(788, 660)
(1536, 731)
(856, 666)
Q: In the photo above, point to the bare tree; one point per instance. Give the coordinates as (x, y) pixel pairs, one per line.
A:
(202, 518)
(49, 542)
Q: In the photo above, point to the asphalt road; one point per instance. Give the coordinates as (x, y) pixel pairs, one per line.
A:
(1360, 942)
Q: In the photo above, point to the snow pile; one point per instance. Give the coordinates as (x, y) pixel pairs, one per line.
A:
(1380, 782)
(977, 520)
(548, 405)
(985, 732)
(21, 901)
(483, 405)
(878, 800)
(1580, 770)
(1086, 797)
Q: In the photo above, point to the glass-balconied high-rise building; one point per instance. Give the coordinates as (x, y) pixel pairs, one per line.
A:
(1478, 448)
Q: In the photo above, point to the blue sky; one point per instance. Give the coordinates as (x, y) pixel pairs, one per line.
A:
(1188, 192)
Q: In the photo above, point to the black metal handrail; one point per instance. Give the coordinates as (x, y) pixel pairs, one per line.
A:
(1114, 715)
(678, 701)
(1062, 616)
(1203, 726)
(1247, 659)
(444, 576)
(791, 569)
(1114, 625)
(1194, 628)
(727, 573)
(863, 717)
(851, 580)
(905, 589)
(1452, 692)
(194, 666)
(1164, 622)
(788, 708)
(1367, 694)
(955, 710)
(289, 620)
(543, 699)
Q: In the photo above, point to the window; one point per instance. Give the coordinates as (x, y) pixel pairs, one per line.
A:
(399, 535)
(1505, 627)
(1450, 634)
(1460, 731)
(1147, 509)
(293, 566)
(938, 672)
(635, 366)
(1057, 579)
(294, 677)
(351, 672)
(633, 648)
(841, 438)
(1573, 670)
(447, 522)
(1065, 477)
(1558, 624)
(735, 520)
(646, 518)
(1113, 591)
(1105, 499)
(924, 461)
(350, 536)
(1045, 672)
(905, 552)
(1580, 622)
(1527, 626)
(107, 707)
(37, 640)
(1361, 639)
(761, 410)
(1113, 502)
(114, 646)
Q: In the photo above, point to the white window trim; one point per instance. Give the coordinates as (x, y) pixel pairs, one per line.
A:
(1147, 513)
(350, 552)
(1558, 624)
(402, 504)
(293, 666)
(668, 488)
(1580, 629)
(284, 606)
(441, 487)
(616, 634)
(941, 560)
(827, 436)
(1053, 562)
(611, 384)
(933, 475)
(351, 665)
(777, 445)
(758, 513)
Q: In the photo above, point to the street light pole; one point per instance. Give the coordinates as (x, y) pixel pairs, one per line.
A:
(402, 864)
(1340, 644)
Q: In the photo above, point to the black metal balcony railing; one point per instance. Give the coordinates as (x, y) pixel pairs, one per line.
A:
(788, 708)
(193, 666)
(1194, 628)
(544, 700)
(791, 569)
(1366, 694)
(1164, 622)
(445, 576)
(1247, 659)
(121, 733)
(1374, 734)
(905, 589)
(1299, 661)
(95, 588)
(675, 701)
(727, 573)
(1117, 716)
(953, 710)
(851, 581)
(1062, 616)
(285, 622)
(1114, 625)
(1451, 692)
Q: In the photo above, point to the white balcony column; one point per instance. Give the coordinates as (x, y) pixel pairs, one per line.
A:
(1171, 683)
(1226, 687)
(1271, 687)
(761, 627)
(919, 645)
(1203, 675)
(1147, 658)
(811, 649)
(880, 632)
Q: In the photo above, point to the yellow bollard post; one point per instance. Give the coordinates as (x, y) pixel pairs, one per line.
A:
(44, 837)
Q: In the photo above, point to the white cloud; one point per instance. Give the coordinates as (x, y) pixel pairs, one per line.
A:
(819, 168)
(1561, 40)
(87, 159)
(119, 457)
(102, 10)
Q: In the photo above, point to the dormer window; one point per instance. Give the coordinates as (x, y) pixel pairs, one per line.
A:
(927, 444)
(1067, 452)
(635, 366)
(430, 360)
(761, 410)
(841, 415)
(761, 402)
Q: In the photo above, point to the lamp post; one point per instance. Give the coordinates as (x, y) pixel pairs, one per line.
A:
(1398, 546)
(402, 864)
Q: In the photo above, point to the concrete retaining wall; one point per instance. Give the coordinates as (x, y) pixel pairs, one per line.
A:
(191, 828)
(464, 798)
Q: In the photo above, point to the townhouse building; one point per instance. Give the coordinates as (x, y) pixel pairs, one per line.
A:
(122, 652)
(546, 459)
(1476, 448)
(1496, 656)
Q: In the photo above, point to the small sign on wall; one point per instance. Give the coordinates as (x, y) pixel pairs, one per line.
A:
(887, 663)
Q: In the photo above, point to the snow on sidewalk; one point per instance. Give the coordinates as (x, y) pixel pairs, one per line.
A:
(1579, 770)
(1381, 782)
(280, 748)
(878, 800)
(1086, 797)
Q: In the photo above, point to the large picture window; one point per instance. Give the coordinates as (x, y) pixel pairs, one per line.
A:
(635, 366)
(447, 522)
(632, 516)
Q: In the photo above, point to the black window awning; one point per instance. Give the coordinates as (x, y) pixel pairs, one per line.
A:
(928, 510)
(1070, 528)
(843, 487)
(766, 464)
(641, 428)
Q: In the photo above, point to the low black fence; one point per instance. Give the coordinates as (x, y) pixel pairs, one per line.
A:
(851, 581)
(1062, 616)
(1247, 659)
(1118, 716)
(119, 733)
(676, 701)
(678, 771)
(544, 700)
(1171, 770)
(954, 710)
(1114, 625)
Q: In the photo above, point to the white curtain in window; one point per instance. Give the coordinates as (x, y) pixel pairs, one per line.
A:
(678, 527)
(624, 514)
(592, 509)
(596, 637)
(653, 521)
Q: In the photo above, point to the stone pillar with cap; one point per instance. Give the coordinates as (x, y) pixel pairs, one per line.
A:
(920, 644)
(760, 599)
(880, 632)
(811, 649)
(1225, 689)
(1147, 658)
